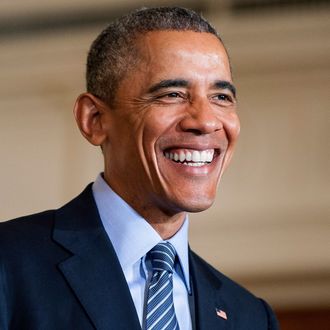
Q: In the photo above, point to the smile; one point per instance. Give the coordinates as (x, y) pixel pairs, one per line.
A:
(191, 157)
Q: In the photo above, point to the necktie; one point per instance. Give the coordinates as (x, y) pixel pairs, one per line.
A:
(160, 314)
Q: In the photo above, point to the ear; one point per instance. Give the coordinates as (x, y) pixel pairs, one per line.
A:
(89, 112)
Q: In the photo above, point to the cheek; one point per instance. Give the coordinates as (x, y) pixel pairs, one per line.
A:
(157, 124)
(232, 128)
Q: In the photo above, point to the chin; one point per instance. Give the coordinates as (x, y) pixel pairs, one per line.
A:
(198, 208)
(196, 204)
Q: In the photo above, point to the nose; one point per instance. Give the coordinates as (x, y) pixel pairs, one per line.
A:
(201, 118)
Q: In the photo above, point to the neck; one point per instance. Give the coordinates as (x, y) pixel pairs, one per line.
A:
(165, 223)
(167, 229)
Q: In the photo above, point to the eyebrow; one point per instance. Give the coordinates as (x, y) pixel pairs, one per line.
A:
(168, 83)
(223, 84)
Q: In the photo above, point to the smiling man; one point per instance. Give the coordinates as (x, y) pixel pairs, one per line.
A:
(161, 104)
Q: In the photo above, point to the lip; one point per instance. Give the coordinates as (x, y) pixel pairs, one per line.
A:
(195, 146)
(169, 149)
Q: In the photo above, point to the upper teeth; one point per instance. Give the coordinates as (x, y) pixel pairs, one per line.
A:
(195, 156)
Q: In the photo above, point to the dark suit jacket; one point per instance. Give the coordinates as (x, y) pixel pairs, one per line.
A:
(59, 271)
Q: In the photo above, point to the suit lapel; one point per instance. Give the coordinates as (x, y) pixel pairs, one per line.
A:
(211, 311)
(93, 271)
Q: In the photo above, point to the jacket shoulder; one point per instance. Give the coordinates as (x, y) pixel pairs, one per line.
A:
(26, 232)
(25, 224)
(39, 224)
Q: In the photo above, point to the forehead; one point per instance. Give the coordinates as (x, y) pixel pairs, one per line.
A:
(183, 53)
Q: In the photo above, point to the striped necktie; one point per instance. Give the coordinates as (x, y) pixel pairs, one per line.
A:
(160, 314)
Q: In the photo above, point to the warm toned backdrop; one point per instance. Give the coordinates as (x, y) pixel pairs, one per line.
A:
(270, 226)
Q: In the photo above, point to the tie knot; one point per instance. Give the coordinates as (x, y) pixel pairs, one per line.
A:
(162, 257)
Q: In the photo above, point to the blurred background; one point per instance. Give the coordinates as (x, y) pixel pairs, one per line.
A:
(270, 226)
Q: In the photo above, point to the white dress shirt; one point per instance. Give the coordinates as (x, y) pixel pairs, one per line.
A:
(132, 238)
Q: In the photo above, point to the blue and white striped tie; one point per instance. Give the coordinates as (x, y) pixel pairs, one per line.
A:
(160, 314)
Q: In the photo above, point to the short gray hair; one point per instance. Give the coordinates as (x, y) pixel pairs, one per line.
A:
(114, 51)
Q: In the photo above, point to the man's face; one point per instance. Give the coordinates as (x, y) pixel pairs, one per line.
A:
(173, 126)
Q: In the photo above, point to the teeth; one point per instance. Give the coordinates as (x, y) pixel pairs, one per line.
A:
(182, 156)
(195, 164)
(203, 156)
(194, 157)
(188, 156)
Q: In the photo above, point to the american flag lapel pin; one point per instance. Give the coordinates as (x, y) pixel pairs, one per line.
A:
(221, 313)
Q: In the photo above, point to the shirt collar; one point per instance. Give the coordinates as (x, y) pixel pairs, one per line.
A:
(131, 235)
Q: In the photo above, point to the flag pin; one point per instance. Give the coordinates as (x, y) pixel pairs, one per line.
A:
(221, 313)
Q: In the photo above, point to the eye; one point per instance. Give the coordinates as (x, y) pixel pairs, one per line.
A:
(223, 99)
(169, 97)
(172, 95)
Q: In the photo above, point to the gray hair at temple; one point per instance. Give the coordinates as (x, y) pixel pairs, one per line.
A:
(114, 52)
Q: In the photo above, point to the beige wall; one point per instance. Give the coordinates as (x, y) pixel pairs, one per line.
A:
(270, 225)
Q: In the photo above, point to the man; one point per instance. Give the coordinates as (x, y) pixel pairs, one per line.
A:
(161, 104)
